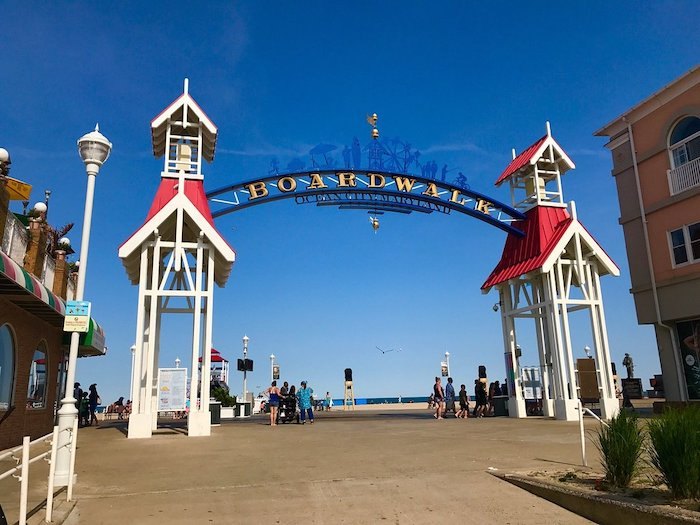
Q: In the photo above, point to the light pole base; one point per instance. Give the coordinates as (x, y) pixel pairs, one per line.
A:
(199, 423)
(140, 426)
(67, 415)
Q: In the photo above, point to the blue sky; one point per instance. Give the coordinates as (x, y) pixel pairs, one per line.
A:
(462, 81)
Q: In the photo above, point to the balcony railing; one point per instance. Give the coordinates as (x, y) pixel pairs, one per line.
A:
(15, 242)
(49, 272)
(16, 239)
(684, 177)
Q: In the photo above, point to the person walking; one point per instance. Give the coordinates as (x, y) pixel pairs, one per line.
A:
(119, 407)
(274, 402)
(463, 402)
(84, 410)
(305, 397)
(450, 398)
(481, 398)
(329, 402)
(490, 410)
(77, 395)
(94, 399)
(439, 398)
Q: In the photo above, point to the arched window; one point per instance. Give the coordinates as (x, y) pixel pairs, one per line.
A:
(7, 366)
(684, 141)
(36, 390)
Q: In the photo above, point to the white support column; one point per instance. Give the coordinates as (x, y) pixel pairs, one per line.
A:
(545, 367)
(140, 424)
(208, 327)
(516, 403)
(609, 404)
(564, 408)
(199, 420)
(138, 340)
(156, 360)
(571, 404)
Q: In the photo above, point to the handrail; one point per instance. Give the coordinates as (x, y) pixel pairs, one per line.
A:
(581, 410)
(25, 461)
(12, 451)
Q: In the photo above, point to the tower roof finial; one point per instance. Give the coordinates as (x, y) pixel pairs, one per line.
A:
(187, 86)
(549, 128)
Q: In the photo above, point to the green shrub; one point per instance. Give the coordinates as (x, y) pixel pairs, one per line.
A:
(675, 450)
(222, 395)
(620, 444)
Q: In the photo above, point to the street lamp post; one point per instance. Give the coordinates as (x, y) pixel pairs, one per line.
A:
(447, 361)
(272, 367)
(94, 149)
(245, 356)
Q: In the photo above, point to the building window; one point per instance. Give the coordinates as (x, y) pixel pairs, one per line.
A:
(685, 244)
(7, 366)
(684, 141)
(36, 390)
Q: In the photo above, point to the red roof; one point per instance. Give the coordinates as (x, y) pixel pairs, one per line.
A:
(194, 191)
(544, 226)
(216, 357)
(520, 161)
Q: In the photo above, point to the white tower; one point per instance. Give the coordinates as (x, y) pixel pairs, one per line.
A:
(176, 257)
(553, 270)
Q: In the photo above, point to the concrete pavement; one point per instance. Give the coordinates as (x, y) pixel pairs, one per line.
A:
(382, 466)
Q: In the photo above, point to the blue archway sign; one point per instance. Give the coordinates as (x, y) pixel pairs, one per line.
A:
(375, 190)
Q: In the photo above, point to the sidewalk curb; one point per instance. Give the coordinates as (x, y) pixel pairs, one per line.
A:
(597, 508)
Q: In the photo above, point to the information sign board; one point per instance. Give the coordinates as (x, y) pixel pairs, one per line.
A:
(77, 318)
(532, 385)
(172, 389)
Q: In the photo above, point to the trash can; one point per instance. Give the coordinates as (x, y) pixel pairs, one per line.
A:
(243, 409)
(215, 411)
(500, 405)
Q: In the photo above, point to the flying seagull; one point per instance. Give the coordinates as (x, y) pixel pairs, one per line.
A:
(387, 351)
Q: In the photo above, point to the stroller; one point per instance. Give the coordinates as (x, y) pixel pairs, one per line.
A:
(287, 411)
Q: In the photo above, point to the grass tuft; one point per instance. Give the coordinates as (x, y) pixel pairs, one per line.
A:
(675, 450)
(620, 444)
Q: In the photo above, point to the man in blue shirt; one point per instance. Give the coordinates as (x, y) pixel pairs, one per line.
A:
(450, 398)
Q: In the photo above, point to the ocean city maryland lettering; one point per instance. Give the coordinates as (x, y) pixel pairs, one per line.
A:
(346, 180)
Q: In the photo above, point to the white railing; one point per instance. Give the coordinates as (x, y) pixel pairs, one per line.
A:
(684, 177)
(16, 239)
(21, 455)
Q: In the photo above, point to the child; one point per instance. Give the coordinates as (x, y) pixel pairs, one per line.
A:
(463, 403)
(84, 413)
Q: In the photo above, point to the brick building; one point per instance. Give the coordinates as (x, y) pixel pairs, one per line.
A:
(655, 150)
(35, 282)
